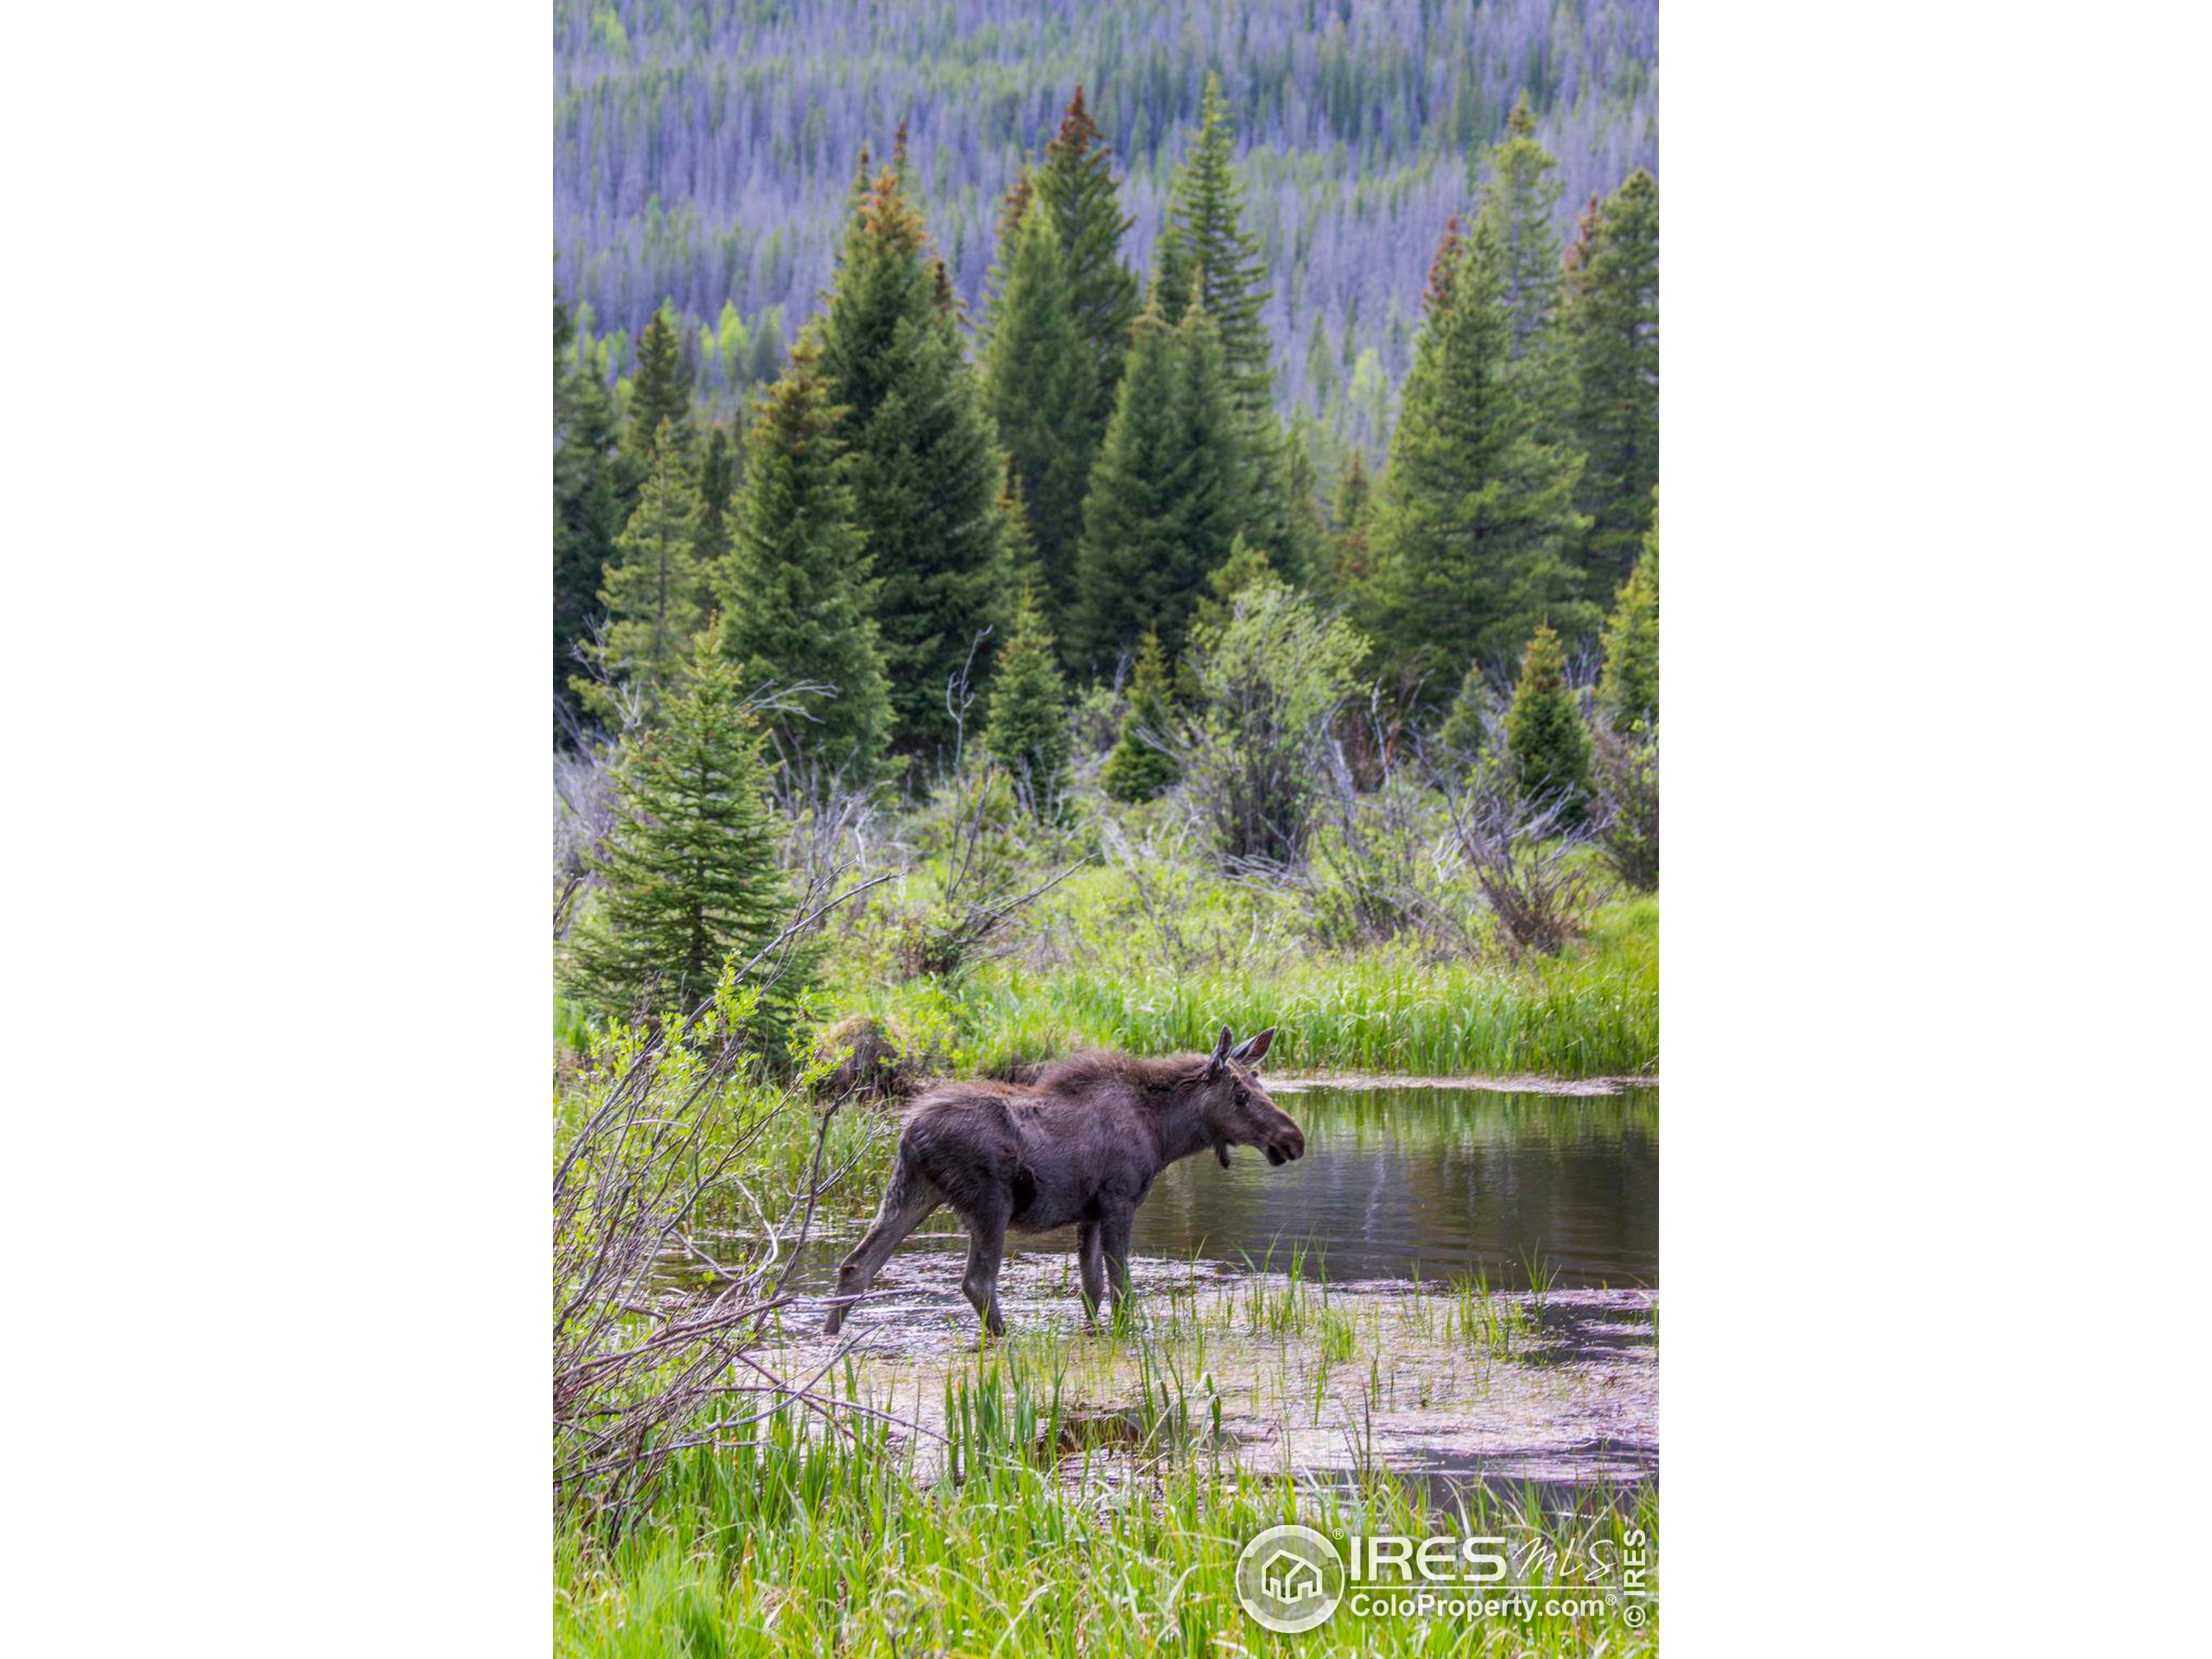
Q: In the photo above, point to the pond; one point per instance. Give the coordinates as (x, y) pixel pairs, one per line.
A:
(1402, 1183)
(1473, 1373)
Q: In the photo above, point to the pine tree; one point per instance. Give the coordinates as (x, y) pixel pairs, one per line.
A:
(1022, 569)
(1037, 376)
(1245, 566)
(660, 393)
(1301, 548)
(1628, 689)
(1544, 732)
(1342, 572)
(654, 587)
(1610, 323)
(1207, 257)
(587, 505)
(1137, 769)
(1467, 721)
(690, 872)
(1474, 518)
(717, 482)
(1166, 498)
(796, 597)
(1027, 732)
(926, 473)
(1519, 199)
(1076, 182)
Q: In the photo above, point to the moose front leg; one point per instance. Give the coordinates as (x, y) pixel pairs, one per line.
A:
(985, 1248)
(1091, 1257)
(1114, 1240)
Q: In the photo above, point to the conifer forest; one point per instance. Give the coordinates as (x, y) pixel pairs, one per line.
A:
(1075, 527)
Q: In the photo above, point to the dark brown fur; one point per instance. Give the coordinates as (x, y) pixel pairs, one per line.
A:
(1081, 1145)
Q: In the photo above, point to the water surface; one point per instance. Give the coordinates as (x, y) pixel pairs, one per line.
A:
(1397, 1183)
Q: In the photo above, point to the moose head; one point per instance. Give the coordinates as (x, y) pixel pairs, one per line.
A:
(1238, 1110)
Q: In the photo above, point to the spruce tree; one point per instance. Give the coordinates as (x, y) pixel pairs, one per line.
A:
(1544, 734)
(1076, 182)
(1207, 257)
(1166, 498)
(1467, 723)
(1207, 260)
(1037, 376)
(690, 876)
(660, 393)
(1474, 518)
(587, 505)
(1628, 689)
(926, 473)
(1341, 573)
(654, 591)
(1027, 732)
(1245, 566)
(717, 482)
(1519, 198)
(1137, 769)
(795, 594)
(1610, 320)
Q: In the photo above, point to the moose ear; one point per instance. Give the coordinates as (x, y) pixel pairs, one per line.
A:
(1252, 1048)
(1220, 1056)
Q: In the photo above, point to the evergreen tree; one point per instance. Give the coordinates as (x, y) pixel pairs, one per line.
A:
(1544, 732)
(795, 597)
(1301, 548)
(654, 587)
(926, 473)
(1611, 324)
(1166, 497)
(1076, 182)
(1207, 257)
(689, 871)
(1467, 721)
(1245, 566)
(1027, 732)
(660, 393)
(587, 505)
(1207, 260)
(1137, 770)
(717, 482)
(1628, 689)
(1021, 568)
(1474, 516)
(1342, 571)
(1037, 376)
(1519, 200)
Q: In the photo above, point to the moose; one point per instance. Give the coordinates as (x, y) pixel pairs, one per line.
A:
(1083, 1144)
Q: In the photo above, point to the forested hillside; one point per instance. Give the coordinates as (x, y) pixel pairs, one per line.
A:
(704, 151)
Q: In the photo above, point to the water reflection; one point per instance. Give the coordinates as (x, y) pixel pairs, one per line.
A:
(1441, 1181)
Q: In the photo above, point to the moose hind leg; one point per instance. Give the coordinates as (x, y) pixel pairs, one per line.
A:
(1113, 1239)
(906, 1202)
(1091, 1257)
(985, 1250)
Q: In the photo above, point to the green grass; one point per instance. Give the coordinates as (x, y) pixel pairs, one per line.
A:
(792, 1540)
(1592, 1012)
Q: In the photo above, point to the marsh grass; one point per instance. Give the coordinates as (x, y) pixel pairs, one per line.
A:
(1087, 971)
(793, 1538)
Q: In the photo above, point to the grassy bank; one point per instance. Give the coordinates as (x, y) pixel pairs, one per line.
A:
(1090, 967)
(793, 1541)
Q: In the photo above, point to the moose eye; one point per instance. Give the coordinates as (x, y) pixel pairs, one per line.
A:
(1241, 1096)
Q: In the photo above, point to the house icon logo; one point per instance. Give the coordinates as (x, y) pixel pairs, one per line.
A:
(1290, 1579)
